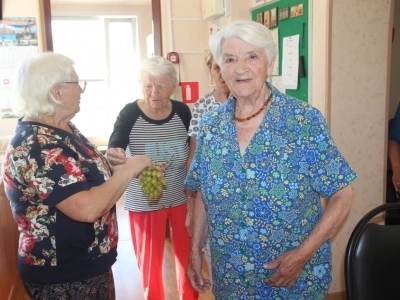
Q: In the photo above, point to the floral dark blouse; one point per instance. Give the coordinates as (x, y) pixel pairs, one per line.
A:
(267, 201)
(43, 166)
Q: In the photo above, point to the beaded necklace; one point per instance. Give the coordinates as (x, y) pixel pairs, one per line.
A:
(256, 113)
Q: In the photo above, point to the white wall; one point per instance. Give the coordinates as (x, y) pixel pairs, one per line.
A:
(358, 109)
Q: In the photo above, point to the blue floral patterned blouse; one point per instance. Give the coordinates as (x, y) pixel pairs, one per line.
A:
(267, 201)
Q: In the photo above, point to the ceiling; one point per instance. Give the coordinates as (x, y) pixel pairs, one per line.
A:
(112, 2)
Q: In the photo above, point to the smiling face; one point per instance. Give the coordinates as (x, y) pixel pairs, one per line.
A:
(245, 68)
(157, 90)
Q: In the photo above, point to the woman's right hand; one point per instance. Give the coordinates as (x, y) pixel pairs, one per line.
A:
(136, 164)
(198, 282)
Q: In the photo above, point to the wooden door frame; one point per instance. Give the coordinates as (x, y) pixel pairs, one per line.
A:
(45, 11)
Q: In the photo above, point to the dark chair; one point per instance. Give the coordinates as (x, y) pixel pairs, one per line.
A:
(372, 261)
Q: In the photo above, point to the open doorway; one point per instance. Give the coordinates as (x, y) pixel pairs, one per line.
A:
(107, 40)
(107, 58)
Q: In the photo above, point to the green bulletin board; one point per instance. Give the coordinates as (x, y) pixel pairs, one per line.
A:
(288, 27)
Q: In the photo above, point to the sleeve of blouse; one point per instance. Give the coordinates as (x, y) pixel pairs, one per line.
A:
(54, 171)
(193, 178)
(327, 167)
(122, 127)
(196, 117)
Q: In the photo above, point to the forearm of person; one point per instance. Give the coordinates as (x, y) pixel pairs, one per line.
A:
(200, 226)
(394, 153)
(88, 206)
(333, 217)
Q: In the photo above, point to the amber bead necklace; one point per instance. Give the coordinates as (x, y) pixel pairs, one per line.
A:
(256, 113)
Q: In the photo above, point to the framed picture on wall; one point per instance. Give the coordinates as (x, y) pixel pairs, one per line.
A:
(296, 10)
(267, 18)
(274, 17)
(284, 13)
(260, 18)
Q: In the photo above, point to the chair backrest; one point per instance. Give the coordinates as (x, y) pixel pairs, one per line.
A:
(372, 261)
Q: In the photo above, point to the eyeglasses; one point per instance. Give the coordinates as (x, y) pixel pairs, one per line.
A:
(81, 83)
(158, 87)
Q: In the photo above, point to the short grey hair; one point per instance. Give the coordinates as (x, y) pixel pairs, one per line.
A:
(33, 80)
(252, 33)
(156, 66)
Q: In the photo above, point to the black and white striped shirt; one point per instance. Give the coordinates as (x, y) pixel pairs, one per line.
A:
(160, 139)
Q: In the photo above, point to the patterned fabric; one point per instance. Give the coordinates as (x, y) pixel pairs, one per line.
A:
(202, 106)
(267, 201)
(43, 166)
(100, 287)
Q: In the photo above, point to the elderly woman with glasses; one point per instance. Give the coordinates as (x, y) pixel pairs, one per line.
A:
(61, 188)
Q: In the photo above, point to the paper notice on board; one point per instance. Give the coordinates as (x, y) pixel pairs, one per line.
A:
(275, 36)
(290, 61)
(277, 83)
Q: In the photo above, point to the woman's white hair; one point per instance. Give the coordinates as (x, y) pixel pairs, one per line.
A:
(156, 66)
(33, 81)
(252, 33)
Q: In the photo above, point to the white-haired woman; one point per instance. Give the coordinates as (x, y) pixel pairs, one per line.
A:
(263, 161)
(61, 188)
(156, 126)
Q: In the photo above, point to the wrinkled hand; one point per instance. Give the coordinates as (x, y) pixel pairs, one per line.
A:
(199, 283)
(134, 165)
(396, 177)
(116, 156)
(289, 267)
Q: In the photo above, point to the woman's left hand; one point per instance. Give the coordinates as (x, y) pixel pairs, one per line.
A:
(289, 267)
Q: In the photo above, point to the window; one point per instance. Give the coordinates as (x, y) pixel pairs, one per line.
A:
(105, 51)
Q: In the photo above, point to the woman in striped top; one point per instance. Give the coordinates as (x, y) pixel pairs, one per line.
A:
(157, 126)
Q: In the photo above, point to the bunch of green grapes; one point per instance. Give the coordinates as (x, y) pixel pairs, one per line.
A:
(152, 182)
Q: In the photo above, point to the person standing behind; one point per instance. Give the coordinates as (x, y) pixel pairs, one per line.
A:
(62, 189)
(263, 161)
(156, 126)
(203, 105)
(394, 148)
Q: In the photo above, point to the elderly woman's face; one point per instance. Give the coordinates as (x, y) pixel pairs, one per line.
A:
(217, 77)
(157, 90)
(244, 68)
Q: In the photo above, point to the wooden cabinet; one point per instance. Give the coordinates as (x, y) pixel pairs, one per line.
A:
(10, 284)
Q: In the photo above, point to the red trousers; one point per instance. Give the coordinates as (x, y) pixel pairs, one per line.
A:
(148, 237)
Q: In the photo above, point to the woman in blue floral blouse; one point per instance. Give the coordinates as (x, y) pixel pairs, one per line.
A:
(61, 188)
(263, 161)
